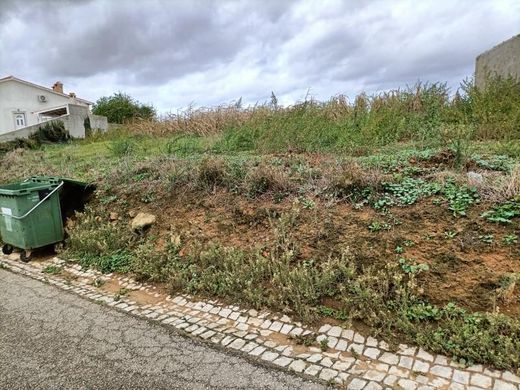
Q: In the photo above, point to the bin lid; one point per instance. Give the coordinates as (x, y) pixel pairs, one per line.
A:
(37, 183)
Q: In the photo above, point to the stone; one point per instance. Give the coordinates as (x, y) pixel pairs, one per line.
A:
(371, 342)
(389, 358)
(237, 344)
(315, 358)
(390, 380)
(374, 375)
(327, 374)
(326, 362)
(282, 361)
(142, 220)
(348, 334)
(373, 386)
(269, 356)
(372, 353)
(357, 348)
(407, 384)
(297, 365)
(406, 362)
(358, 338)
(335, 331)
(286, 328)
(356, 384)
(342, 345)
(501, 385)
(422, 354)
(443, 371)
(224, 313)
(420, 366)
(257, 351)
(474, 177)
(113, 216)
(276, 326)
(461, 377)
(312, 370)
(509, 376)
(481, 380)
(324, 328)
(341, 366)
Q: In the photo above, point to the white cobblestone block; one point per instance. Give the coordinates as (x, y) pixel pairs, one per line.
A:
(191, 328)
(298, 365)
(296, 331)
(371, 342)
(359, 338)
(442, 371)
(373, 386)
(407, 384)
(406, 362)
(249, 347)
(492, 373)
(269, 356)
(374, 375)
(199, 331)
(441, 360)
(313, 370)
(481, 380)
(206, 335)
(241, 326)
(357, 348)
(509, 376)
(326, 362)
(234, 315)
(420, 366)
(224, 313)
(286, 328)
(328, 374)
(226, 340)
(501, 385)
(461, 377)
(342, 345)
(324, 328)
(390, 358)
(348, 334)
(332, 342)
(356, 384)
(406, 350)
(341, 366)
(335, 331)
(257, 351)
(276, 326)
(315, 358)
(422, 354)
(398, 371)
(475, 368)
(342, 378)
(283, 361)
(372, 353)
(285, 318)
(390, 380)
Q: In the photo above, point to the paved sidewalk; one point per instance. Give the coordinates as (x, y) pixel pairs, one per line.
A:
(50, 339)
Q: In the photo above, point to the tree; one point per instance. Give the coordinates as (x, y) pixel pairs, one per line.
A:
(121, 108)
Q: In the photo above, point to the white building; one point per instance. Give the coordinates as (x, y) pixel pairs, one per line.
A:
(24, 106)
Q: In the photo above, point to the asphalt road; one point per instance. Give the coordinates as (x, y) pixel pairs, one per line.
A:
(50, 339)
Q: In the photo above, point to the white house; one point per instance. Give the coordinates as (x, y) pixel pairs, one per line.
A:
(25, 105)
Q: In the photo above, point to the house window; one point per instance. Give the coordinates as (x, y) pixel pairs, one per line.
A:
(19, 120)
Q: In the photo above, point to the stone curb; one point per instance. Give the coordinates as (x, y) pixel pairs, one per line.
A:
(352, 360)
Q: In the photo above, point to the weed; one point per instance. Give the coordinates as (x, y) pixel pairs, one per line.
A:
(307, 340)
(510, 239)
(122, 147)
(410, 268)
(399, 249)
(324, 344)
(52, 270)
(450, 234)
(460, 198)
(486, 238)
(120, 293)
(340, 315)
(503, 213)
(98, 282)
(409, 190)
(376, 226)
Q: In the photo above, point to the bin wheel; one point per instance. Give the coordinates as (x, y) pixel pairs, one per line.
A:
(25, 256)
(7, 249)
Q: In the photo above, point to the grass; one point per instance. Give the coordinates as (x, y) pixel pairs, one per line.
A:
(351, 209)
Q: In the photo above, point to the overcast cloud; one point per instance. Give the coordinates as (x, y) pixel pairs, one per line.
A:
(173, 53)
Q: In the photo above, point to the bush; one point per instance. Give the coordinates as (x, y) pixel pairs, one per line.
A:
(122, 108)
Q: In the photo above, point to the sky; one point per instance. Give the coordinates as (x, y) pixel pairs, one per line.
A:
(173, 54)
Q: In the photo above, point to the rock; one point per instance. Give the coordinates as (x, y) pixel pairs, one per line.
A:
(475, 177)
(142, 221)
(113, 216)
(132, 213)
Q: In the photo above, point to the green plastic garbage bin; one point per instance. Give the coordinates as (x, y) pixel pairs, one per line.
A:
(30, 214)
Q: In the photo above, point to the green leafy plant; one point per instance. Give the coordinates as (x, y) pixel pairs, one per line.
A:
(52, 270)
(503, 213)
(376, 226)
(450, 234)
(460, 198)
(510, 239)
(324, 344)
(410, 267)
(486, 238)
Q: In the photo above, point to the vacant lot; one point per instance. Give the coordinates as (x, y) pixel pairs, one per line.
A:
(397, 213)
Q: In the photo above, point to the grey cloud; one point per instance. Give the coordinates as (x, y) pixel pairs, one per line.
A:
(174, 52)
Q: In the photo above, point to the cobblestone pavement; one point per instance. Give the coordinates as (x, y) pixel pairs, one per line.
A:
(352, 360)
(53, 340)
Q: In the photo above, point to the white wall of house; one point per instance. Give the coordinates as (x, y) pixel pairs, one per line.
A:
(20, 102)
